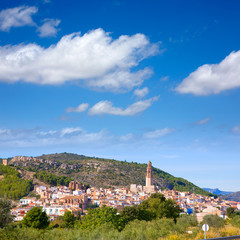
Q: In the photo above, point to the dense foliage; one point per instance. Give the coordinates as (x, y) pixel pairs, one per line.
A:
(5, 214)
(68, 220)
(99, 216)
(232, 212)
(36, 218)
(159, 207)
(134, 212)
(213, 221)
(53, 179)
(161, 229)
(12, 185)
(155, 207)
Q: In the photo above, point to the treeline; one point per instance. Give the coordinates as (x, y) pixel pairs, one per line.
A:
(12, 185)
(180, 184)
(53, 179)
(155, 218)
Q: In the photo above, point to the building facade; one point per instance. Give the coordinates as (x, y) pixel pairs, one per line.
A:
(149, 182)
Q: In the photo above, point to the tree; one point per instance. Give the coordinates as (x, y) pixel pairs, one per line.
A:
(5, 214)
(159, 207)
(68, 219)
(135, 212)
(230, 211)
(36, 218)
(213, 221)
(99, 216)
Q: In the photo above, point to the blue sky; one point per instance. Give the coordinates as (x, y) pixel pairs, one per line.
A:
(128, 80)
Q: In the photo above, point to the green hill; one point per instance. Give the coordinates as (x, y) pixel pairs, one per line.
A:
(102, 172)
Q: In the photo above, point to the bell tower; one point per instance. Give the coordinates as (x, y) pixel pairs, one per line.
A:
(149, 180)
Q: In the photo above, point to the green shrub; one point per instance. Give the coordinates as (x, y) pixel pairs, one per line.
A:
(213, 221)
(236, 221)
(36, 218)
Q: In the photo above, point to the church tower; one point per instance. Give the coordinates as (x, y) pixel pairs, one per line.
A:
(149, 177)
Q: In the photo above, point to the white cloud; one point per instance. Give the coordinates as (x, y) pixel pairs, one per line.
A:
(36, 138)
(236, 129)
(74, 137)
(95, 58)
(121, 80)
(158, 133)
(127, 137)
(71, 131)
(213, 78)
(141, 92)
(81, 108)
(203, 121)
(106, 107)
(17, 17)
(49, 28)
(164, 79)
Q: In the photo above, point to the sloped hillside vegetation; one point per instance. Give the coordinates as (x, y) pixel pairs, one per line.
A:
(102, 172)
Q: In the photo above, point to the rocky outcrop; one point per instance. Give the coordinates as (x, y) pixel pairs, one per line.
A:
(45, 164)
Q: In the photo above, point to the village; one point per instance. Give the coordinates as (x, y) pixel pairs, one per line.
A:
(76, 198)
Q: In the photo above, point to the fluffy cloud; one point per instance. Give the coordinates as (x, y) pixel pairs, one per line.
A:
(95, 58)
(106, 107)
(81, 108)
(17, 17)
(203, 121)
(213, 78)
(236, 129)
(141, 92)
(120, 80)
(158, 133)
(49, 28)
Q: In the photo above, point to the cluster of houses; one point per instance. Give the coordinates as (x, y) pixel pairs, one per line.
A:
(57, 200)
(76, 198)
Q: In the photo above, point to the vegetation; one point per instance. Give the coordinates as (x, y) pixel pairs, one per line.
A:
(12, 185)
(135, 212)
(53, 179)
(99, 216)
(213, 221)
(232, 212)
(102, 172)
(235, 196)
(159, 207)
(235, 221)
(144, 222)
(161, 229)
(36, 218)
(68, 220)
(5, 214)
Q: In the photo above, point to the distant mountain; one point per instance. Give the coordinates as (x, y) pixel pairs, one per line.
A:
(102, 172)
(216, 191)
(235, 196)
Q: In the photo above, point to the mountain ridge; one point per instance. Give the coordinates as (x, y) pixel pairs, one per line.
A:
(235, 196)
(101, 172)
(217, 191)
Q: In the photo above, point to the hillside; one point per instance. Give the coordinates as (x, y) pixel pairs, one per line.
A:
(235, 196)
(101, 172)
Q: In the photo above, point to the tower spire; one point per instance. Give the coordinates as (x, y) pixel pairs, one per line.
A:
(149, 175)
